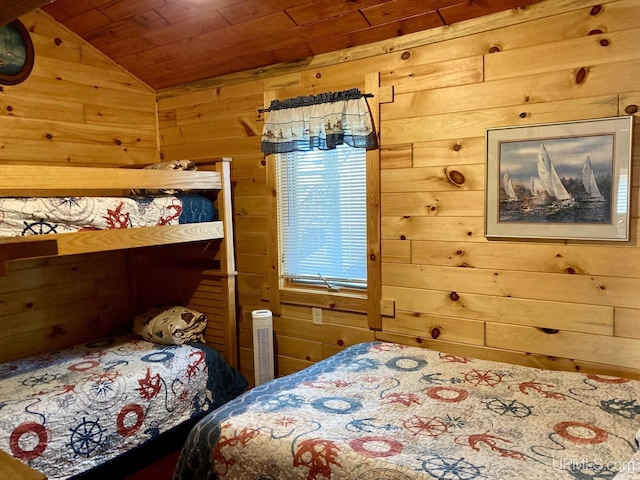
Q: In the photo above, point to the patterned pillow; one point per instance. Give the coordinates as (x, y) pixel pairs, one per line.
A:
(171, 165)
(170, 325)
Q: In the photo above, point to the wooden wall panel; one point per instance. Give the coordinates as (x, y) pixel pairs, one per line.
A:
(76, 106)
(54, 303)
(595, 319)
(570, 305)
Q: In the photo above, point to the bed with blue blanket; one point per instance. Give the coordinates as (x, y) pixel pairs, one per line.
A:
(67, 412)
(391, 412)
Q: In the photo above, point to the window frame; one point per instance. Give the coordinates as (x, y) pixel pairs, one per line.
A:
(367, 302)
(320, 283)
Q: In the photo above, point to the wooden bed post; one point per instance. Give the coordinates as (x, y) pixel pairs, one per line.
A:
(228, 271)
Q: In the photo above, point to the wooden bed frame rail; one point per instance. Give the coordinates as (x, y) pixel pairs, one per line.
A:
(29, 180)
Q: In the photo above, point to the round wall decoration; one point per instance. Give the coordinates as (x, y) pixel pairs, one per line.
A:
(16, 53)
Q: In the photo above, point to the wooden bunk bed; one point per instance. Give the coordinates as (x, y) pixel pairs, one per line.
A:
(211, 176)
(189, 264)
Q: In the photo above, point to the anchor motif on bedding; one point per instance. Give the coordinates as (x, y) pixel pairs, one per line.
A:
(193, 367)
(539, 387)
(245, 435)
(490, 441)
(177, 211)
(449, 357)
(66, 389)
(324, 383)
(406, 399)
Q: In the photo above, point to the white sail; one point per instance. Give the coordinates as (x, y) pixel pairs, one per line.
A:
(508, 187)
(536, 187)
(549, 177)
(589, 181)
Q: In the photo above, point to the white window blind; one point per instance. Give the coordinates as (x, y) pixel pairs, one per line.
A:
(322, 216)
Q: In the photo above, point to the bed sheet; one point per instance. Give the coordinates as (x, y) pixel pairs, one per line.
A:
(392, 412)
(49, 215)
(68, 411)
(628, 469)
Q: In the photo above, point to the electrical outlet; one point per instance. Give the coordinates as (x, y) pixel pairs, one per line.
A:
(316, 314)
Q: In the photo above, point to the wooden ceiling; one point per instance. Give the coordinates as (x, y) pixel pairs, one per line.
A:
(171, 42)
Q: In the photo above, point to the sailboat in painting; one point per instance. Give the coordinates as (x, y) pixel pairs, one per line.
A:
(535, 186)
(551, 181)
(589, 182)
(507, 184)
(533, 190)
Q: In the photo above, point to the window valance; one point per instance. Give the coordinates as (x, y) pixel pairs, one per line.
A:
(319, 122)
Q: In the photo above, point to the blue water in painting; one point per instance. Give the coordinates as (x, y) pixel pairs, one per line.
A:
(580, 212)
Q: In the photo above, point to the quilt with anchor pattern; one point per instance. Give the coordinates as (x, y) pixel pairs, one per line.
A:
(381, 411)
(68, 411)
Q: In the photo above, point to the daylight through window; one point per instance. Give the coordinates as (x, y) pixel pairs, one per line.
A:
(322, 217)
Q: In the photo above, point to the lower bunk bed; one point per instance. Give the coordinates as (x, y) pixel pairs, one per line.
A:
(72, 412)
(391, 412)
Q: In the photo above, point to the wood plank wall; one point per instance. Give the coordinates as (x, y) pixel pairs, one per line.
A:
(77, 107)
(554, 304)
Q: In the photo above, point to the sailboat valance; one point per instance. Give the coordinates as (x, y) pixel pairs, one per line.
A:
(319, 122)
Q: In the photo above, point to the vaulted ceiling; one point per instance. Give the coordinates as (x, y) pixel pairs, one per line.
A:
(172, 42)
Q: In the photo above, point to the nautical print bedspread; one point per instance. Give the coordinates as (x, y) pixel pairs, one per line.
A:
(68, 411)
(390, 412)
(47, 215)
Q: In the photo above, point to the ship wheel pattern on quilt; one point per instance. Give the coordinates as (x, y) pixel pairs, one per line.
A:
(86, 437)
(510, 408)
(39, 228)
(448, 468)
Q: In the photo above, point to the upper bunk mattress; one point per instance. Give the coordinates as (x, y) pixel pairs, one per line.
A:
(49, 215)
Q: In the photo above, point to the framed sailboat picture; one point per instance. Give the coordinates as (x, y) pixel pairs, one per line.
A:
(569, 180)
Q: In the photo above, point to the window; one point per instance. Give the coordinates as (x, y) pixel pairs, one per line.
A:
(322, 217)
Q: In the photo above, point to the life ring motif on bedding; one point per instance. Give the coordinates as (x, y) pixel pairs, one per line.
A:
(563, 429)
(360, 445)
(337, 405)
(84, 366)
(126, 410)
(406, 364)
(158, 357)
(450, 468)
(25, 429)
(437, 394)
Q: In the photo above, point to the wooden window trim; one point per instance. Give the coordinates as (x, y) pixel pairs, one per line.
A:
(369, 302)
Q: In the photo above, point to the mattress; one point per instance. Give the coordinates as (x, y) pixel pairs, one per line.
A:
(49, 215)
(392, 412)
(68, 411)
